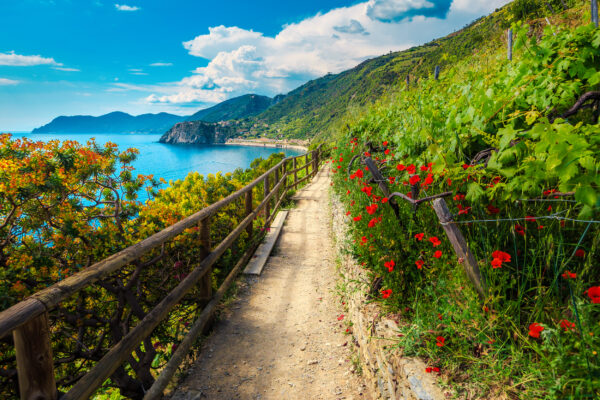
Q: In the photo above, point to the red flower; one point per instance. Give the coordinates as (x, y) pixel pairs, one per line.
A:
(496, 263)
(359, 173)
(449, 181)
(357, 218)
(390, 265)
(367, 154)
(440, 341)
(594, 294)
(465, 166)
(411, 169)
(419, 236)
(414, 179)
(392, 180)
(372, 222)
(348, 213)
(549, 208)
(371, 209)
(569, 275)
(529, 218)
(492, 210)
(437, 254)
(463, 210)
(428, 369)
(459, 197)
(424, 168)
(400, 167)
(363, 239)
(419, 263)
(520, 230)
(385, 143)
(440, 316)
(368, 190)
(384, 200)
(386, 152)
(435, 241)
(535, 329)
(504, 257)
(436, 369)
(580, 253)
(386, 293)
(341, 317)
(348, 192)
(567, 325)
(429, 179)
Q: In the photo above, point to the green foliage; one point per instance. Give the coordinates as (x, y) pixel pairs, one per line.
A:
(535, 255)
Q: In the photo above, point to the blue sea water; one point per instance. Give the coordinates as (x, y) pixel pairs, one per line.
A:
(173, 162)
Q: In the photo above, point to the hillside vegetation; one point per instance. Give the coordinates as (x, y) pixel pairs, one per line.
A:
(516, 147)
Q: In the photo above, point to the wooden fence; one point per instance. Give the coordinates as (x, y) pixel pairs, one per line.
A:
(29, 322)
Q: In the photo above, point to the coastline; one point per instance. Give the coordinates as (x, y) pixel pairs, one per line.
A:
(267, 143)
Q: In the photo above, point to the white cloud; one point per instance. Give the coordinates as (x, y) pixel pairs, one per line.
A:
(67, 69)
(161, 64)
(8, 82)
(123, 7)
(17, 60)
(243, 61)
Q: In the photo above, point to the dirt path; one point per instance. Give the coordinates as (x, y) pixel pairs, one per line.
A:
(281, 338)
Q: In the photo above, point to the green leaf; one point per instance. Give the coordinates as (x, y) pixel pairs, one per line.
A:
(587, 195)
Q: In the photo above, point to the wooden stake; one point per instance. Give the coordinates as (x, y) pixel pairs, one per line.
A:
(595, 12)
(509, 36)
(460, 245)
(34, 360)
(437, 72)
(249, 211)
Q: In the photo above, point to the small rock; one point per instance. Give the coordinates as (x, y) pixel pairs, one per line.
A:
(313, 362)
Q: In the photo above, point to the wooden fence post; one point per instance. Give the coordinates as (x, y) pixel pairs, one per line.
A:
(437, 72)
(509, 36)
(294, 166)
(306, 163)
(249, 211)
(594, 7)
(315, 161)
(205, 283)
(276, 197)
(266, 193)
(381, 182)
(465, 257)
(34, 360)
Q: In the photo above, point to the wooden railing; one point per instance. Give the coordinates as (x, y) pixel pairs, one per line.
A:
(29, 322)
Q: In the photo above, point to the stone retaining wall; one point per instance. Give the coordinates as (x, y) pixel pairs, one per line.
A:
(387, 374)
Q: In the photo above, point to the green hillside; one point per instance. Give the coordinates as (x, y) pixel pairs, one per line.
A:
(240, 107)
(320, 105)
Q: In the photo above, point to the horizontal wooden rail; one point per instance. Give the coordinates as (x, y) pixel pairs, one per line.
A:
(28, 311)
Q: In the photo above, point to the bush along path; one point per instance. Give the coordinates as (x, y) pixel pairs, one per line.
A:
(514, 149)
(284, 336)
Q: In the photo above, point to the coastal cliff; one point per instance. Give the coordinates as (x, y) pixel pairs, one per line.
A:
(198, 132)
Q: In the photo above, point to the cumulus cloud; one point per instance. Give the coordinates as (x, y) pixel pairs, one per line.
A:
(8, 82)
(397, 10)
(243, 61)
(124, 7)
(17, 60)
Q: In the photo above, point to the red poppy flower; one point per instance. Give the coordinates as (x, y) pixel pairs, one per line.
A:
(372, 222)
(363, 239)
(463, 210)
(520, 230)
(419, 263)
(400, 167)
(569, 275)
(349, 212)
(465, 166)
(385, 143)
(386, 152)
(567, 325)
(580, 253)
(392, 180)
(390, 265)
(372, 209)
(348, 192)
(368, 190)
(594, 294)
(440, 317)
(492, 210)
(384, 200)
(411, 169)
(435, 241)
(414, 179)
(424, 168)
(419, 236)
(437, 254)
(429, 179)
(496, 263)
(449, 182)
(440, 341)
(386, 293)
(436, 369)
(341, 317)
(428, 369)
(549, 208)
(529, 218)
(353, 176)
(504, 257)
(535, 329)
(357, 218)
(359, 173)
(459, 197)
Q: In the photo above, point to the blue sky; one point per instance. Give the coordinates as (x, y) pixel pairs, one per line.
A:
(68, 57)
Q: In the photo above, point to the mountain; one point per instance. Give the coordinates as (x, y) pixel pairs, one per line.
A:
(119, 122)
(199, 132)
(240, 107)
(114, 122)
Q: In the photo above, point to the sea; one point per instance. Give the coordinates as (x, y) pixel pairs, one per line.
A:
(170, 161)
